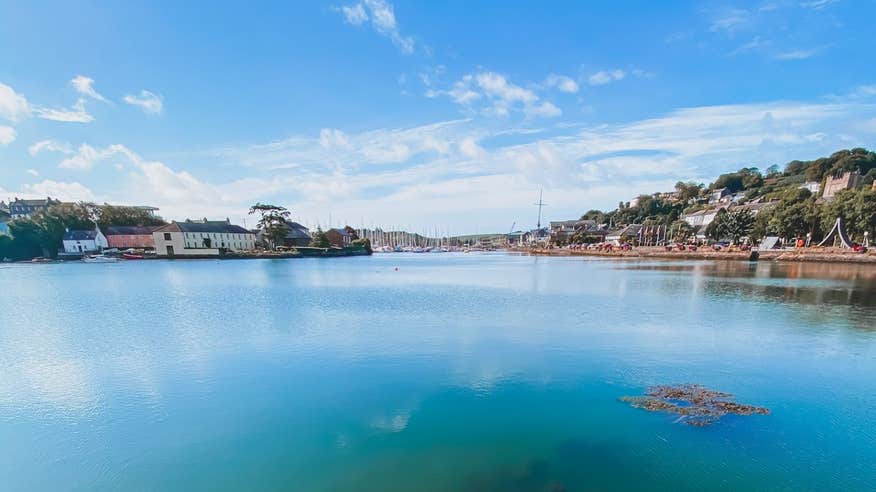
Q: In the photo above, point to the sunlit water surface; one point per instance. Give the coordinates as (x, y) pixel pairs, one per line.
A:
(453, 372)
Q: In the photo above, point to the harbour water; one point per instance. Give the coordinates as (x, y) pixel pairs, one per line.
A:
(433, 372)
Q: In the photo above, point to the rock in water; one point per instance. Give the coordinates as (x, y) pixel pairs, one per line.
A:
(695, 404)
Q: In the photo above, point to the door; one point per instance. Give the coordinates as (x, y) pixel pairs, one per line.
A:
(170, 251)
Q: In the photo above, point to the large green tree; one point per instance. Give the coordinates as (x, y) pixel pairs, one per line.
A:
(857, 209)
(272, 222)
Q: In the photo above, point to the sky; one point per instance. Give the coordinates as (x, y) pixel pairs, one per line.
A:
(429, 116)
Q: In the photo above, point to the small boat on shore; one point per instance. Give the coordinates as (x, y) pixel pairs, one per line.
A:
(100, 259)
(132, 256)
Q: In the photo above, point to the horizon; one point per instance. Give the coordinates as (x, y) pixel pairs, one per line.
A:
(418, 116)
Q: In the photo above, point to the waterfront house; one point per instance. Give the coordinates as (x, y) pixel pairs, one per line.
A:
(23, 209)
(339, 238)
(563, 230)
(84, 241)
(124, 237)
(626, 234)
(201, 238)
(296, 236)
(841, 181)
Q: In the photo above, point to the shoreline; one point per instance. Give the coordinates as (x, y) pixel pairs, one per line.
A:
(826, 255)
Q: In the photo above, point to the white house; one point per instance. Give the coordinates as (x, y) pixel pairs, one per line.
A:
(84, 241)
(201, 238)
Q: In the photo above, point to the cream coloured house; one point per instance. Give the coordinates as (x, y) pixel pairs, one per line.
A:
(201, 238)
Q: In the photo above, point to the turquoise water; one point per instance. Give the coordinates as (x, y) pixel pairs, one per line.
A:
(453, 372)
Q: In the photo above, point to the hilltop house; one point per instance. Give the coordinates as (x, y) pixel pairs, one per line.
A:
(718, 196)
(839, 182)
(84, 241)
(339, 238)
(23, 209)
(124, 237)
(201, 238)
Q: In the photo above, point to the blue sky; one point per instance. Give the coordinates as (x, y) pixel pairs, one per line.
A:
(425, 115)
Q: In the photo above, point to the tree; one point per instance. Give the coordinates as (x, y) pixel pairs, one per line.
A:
(112, 215)
(320, 239)
(856, 207)
(688, 191)
(272, 222)
(681, 231)
(734, 225)
(714, 230)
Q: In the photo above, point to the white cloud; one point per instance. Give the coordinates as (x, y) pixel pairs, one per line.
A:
(818, 4)
(7, 135)
(33, 172)
(85, 85)
(332, 137)
(755, 44)
(60, 190)
(562, 82)
(355, 14)
(606, 76)
(730, 21)
(499, 95)
(798, 54)
(147, 101)
(13, 106)
(383, 21)
(87, 156)
(76, 114)
(49, 146)
(469, 147)
(544, 109)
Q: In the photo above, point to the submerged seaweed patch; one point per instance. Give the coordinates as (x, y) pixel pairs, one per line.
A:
(695, 404)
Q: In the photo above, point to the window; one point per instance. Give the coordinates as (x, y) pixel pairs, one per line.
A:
(167, 236)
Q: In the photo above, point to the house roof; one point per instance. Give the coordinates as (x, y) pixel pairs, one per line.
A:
(80, 235)
(129, 231)
(39, 202)
(210, 226)
(340, 231)
(297, 231)
(630, 230)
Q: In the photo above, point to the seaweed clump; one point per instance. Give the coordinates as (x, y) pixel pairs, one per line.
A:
(695, 405)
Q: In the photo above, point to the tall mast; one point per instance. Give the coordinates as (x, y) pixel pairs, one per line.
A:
(540, 205)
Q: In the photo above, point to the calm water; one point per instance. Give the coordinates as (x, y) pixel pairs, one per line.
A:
(454, 372)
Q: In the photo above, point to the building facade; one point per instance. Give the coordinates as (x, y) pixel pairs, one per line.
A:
(23, 209)
(339, 237)
(839, 182)
(136, 237)
(84, 241)
(201, 238)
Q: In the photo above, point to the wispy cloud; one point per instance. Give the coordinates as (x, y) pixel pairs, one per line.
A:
(800, 54)
(76, 114)
(382, 17)
(731, 20)
(50, 146)
(85, 85)
(13, 106)
(757, 43)
(493, 94)
(147, 101)
(818, 4)
(606, 76)
(562, 82)
(7, 135)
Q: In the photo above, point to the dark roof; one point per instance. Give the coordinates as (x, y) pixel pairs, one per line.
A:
(210, 226)
(297, 231)
(39, 202)
(80, 235)
(129, 231)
